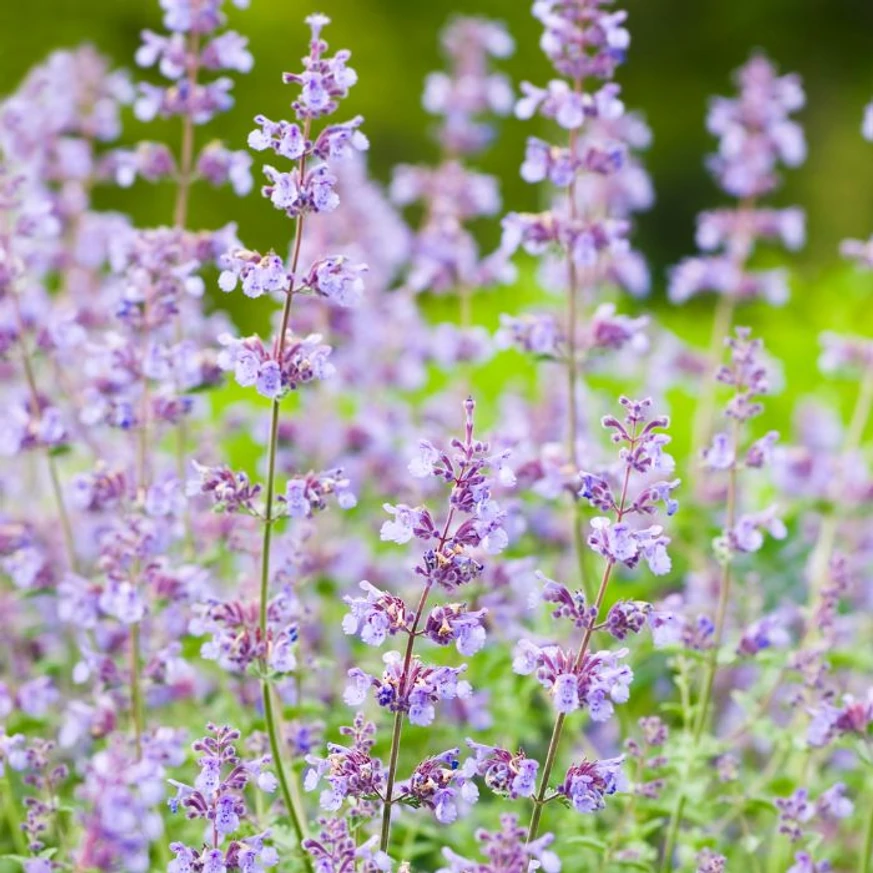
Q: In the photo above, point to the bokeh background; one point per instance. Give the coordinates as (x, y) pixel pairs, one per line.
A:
(682, 52)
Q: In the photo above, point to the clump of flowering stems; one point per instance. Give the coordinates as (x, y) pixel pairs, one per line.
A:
(307, 188)
(756, 135)
(746, 374)
(217, 797)
(618, 542)
(583, 41)
(44, 430)
(445, 256)
(196, 43)
(409, 687)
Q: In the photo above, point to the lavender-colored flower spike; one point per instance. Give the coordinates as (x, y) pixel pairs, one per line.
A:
(469, 89)
(756, 135)
(445, 255)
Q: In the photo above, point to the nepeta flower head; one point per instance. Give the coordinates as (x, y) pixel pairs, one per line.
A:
(845, 354)
(335, 850)
(746, 373)
(567, 604)
(199, 16)
(709, 861)
(581, 38)
(300, 361)
(439, 784)
(217, 796)
(468, 472)
(755, 129)
(376, 616)
(588, 783)
(829, 722)
(230, 491)
(237, 643)
(349, 771)
(307, 495)
(756, 135)
(454, 623)
(506, 851)
(804, 863)
(505, 773)
(598, 682)
(414, 690)
(324, 81)
(191, 46)
(470, 89)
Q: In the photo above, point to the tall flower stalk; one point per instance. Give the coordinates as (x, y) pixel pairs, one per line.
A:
(855, 355)
(445, 256)
(584, 233)
(307, 188)
(756, 135)
(572, 677)
(746, 374)
(409, 687)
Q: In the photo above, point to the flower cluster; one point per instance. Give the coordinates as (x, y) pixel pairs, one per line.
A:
(756, 134)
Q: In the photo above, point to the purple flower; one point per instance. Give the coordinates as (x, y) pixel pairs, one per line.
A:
(307, 495)
(231, 492)
(596, 683)
(469, 90)
(588, 783)
(505, 773)
(626, 617)
(804, 863)
(507, 850)
(376, 616)
(454, 623)
(414, 691)
(260, 274)
(220, 166)
(337, 280)
(349, 771)
(829, 721)
(709, 861)
(439, 784)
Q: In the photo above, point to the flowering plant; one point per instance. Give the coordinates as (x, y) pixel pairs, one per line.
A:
(420, 617)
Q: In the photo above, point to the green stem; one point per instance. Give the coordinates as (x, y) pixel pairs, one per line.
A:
(136, 701)
(30, 378)
(673, 832)
(827, 535)
(290, 790)
(385, 836)
(558, 728)
(180, 219)
(63, 516)
(290, 796)
(703, 415)
(864, 861)
(13, 820)
(712, 661)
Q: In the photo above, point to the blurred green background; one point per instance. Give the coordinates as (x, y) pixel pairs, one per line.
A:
(682, 52)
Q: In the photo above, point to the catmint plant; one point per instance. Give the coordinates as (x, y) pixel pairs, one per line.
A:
(288, 362)
(420, 680)
(409, 687)
(743, 532)
(756, 135)
(581, 678)
(583, 236)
